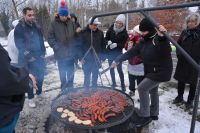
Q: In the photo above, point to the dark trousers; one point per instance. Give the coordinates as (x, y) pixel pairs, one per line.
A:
(38, 70)
(90, 69)
(181, 89)
(132, 79)
(66, 73)
(112, 73)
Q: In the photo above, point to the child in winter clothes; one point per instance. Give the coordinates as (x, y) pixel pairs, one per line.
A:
(135, 64)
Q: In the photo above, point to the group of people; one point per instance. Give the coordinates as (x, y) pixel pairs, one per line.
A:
(148, 54)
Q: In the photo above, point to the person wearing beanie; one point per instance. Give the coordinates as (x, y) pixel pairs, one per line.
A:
(61, 32)
(155, 50)
(135, 65)
(116, 37)
(63, 9)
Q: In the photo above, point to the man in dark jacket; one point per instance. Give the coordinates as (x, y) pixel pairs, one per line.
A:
(156, 53)
(61, 32)
(89, 60)
(116, 37)
(13, 85)
(30, 44)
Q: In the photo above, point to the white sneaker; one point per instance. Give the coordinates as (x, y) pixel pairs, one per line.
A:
(31, 103)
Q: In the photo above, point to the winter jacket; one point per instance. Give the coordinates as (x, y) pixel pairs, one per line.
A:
(98, 44)
(131, 42)
(29, 42)
(189, 40)
(156, 58)
(59, 36)
(11, 48)
(13, 85)
(119, 38)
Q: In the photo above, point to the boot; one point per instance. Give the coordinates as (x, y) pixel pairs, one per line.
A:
(155, 118)
(178, 100)
(143, 121)
(123, 87)
(188, 105)
(132, 93)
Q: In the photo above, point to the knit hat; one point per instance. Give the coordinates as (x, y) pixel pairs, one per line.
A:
(146, 25)
(136, 29)
(63, 10)
(96, 21)
(121, 18)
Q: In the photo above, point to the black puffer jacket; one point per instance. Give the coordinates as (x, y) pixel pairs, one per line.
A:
(119, 38)
(190, 42)
(13, 85)
(98, 43)
(156, 54)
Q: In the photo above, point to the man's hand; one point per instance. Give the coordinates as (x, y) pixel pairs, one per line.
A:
(114, 64)
(82, 61)
(78, 30)
(161, 29)
(32, 59)
(34, 81)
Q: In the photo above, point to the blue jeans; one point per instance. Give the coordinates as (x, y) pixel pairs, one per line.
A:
(37, 68)
(10, 127)
(112, 73)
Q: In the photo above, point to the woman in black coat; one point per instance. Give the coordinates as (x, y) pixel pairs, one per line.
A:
(116, 37)
(189, 40)
(156, 53)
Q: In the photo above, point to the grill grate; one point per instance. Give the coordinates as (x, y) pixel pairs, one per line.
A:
(62, 101)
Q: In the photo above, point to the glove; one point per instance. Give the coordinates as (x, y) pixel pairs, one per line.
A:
(113, 45)
(109, 42)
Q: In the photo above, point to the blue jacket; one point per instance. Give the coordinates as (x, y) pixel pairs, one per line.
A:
(30, 43)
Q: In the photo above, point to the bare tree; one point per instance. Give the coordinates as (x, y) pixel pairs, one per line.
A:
(15, 8)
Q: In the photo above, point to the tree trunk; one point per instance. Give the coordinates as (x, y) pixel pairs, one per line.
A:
(15, 9)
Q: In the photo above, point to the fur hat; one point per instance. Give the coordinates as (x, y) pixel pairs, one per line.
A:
(63, 9)
(146, 25)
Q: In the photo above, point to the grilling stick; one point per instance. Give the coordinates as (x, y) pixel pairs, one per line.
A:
(107, 69)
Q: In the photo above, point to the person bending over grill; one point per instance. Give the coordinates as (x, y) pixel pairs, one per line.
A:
(155, 50)
(14, 83)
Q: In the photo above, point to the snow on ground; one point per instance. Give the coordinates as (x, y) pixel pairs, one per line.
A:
(172, 119)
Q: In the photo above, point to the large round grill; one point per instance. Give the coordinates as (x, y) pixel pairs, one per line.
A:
(64, 100)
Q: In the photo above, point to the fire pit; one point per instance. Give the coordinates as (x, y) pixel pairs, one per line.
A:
(115, 107)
